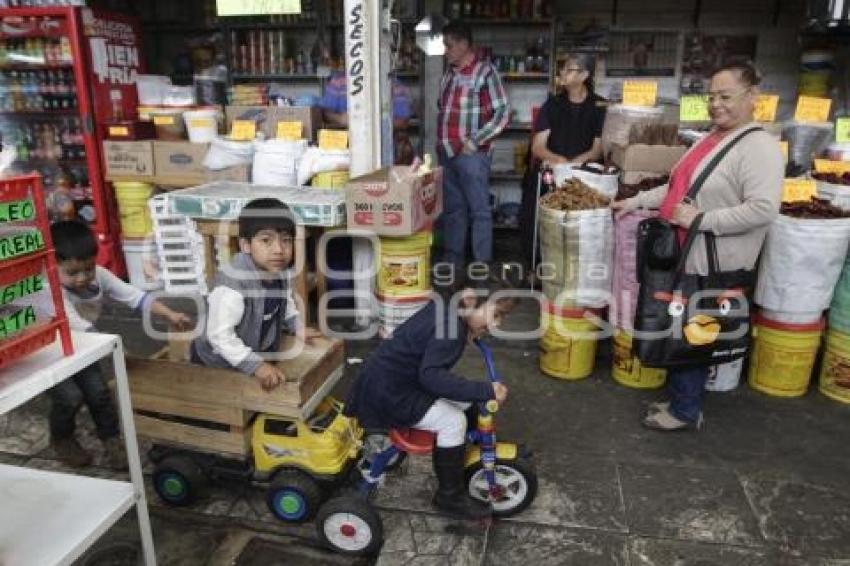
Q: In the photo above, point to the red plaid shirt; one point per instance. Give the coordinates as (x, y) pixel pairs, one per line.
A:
(473, 106)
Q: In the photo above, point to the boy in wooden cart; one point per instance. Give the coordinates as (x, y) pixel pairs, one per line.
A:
(85, 287)
(251, 303)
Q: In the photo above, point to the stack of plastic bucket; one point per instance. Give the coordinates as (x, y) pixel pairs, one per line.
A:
(137, 234)
(628, 370)
(404, 279)
(783, 355)
(568, 345)
(835, 370)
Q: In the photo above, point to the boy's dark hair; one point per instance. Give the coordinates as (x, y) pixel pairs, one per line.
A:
(72, 240)
(744, 68)
(265, 214)
(458, 30)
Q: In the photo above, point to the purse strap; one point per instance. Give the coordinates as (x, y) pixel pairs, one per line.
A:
(709, 169)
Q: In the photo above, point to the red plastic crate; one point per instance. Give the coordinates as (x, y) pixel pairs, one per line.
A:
(43, 334)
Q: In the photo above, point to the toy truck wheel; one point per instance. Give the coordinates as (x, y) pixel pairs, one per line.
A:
(293, 496)
(517, 483)
(179, 481)
(349, 525)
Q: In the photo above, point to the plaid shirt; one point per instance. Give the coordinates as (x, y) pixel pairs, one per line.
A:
(473, 105)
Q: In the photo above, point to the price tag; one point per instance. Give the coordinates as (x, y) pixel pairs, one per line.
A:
(694, 108)
(812, 109)
(163, 120)
(22, 243)
(119, 131)
(842, 130)
(766, 105)
(640, 93)
(244, 130)
(22, 288)
(333, 139)
(17, 210)
(799, 189)
(829, 166)
(783, 145)
(19, 319)
(290, 130)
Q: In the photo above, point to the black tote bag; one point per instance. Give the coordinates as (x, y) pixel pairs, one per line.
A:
(685, 319)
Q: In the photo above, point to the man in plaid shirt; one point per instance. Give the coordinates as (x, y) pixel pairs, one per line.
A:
(473, 109)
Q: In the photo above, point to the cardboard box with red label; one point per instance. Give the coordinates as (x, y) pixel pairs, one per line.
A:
(393, 202)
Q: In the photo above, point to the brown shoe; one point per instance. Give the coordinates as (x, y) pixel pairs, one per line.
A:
(116, 454)
(69, 451)
(664, 420)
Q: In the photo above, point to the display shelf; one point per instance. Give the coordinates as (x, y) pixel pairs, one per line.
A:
(543, 22)
(530, 77)
(50, 517)
(277, 77)
(40, 113)
(21, 66)
(37, 529)
(311, 25)
(167, 180)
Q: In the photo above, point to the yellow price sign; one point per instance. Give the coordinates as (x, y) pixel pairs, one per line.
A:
(290, 130)
(640, 93)
(244, 130)
(201, 123)
(842, 130)
(783, 146)
(694, 108)
(163, 120)
(257, 7)
(830, 166)
(812, 109)
(333, 139)
(119, 131)
(799, 190)
(766, 105)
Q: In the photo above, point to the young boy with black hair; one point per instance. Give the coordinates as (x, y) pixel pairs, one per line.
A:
(251, 303)
(408, 382)
(85, 287)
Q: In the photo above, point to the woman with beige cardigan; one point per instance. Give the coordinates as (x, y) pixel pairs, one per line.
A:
(739, 200)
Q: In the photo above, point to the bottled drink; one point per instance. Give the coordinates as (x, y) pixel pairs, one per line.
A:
(547, 182)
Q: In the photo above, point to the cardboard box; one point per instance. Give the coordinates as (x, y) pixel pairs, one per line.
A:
(180, 159)
(128, 158)
(391, 202)
(647, 158)
(237, 173)
(267, 118)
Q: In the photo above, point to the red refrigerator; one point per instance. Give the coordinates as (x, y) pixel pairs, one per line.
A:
(63, 72)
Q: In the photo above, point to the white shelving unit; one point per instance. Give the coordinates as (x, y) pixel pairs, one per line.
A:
(51, 518)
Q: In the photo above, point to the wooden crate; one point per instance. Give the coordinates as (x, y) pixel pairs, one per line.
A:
(199, 407)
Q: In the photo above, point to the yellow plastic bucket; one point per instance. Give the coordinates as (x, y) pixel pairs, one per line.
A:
(783, 356)
(627, 369)
(566, 350)
(133, 209)
(331, 180)
(405, 265)
(835, 371)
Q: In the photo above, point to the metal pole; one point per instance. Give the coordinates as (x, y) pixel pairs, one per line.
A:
(534, 239)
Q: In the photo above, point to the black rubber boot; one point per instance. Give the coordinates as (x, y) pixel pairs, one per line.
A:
(452, 497)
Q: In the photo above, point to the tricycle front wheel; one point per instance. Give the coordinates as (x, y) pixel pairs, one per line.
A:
(516, 481)
(350, 525)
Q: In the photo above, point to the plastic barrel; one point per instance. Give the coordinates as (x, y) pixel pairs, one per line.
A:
(394, 311)
(405, 265)
(783, 356)
(835, 370)
(568, 346)
(202, 124)
(627, 369)
(133, 209)
(839, 311)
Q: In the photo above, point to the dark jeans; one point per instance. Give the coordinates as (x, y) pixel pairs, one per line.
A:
(686, 387)
(67, 397)
(466, 197)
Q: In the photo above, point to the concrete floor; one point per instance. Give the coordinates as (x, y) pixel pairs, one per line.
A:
(766, 483)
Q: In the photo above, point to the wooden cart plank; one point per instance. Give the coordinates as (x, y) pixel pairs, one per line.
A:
(223, 414)
(228, 442)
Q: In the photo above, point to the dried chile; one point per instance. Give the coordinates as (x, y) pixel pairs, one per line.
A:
(573, 195)
(815, 209)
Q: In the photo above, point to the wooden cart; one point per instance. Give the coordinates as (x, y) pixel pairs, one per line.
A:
(191, 406)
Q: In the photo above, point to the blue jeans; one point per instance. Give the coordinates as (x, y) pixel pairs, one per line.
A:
(68, 396)
(686, 387)
(466, 195)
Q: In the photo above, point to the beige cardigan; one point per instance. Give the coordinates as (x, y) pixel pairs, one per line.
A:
(740, 199)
